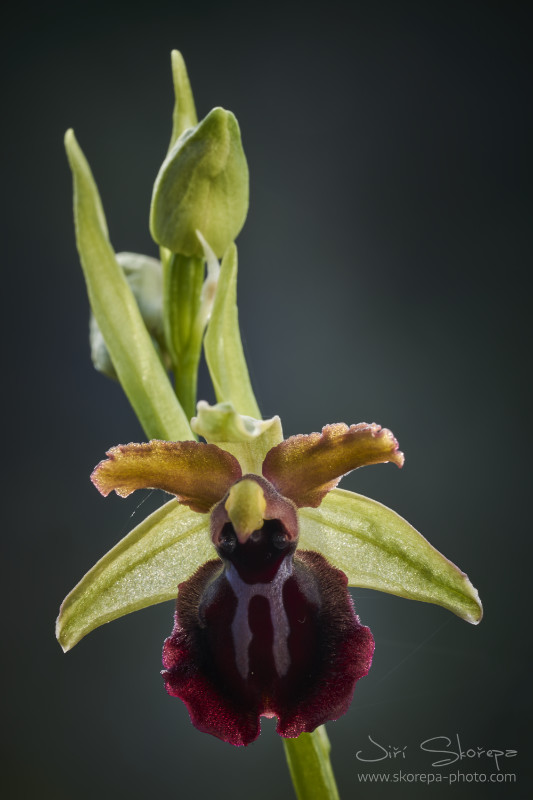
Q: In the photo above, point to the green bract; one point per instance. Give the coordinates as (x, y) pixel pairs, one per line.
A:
(184, 114)
(202, 185)
(115, 309)
(223, 346)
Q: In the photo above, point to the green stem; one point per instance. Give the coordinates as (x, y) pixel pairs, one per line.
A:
(183, 280)
(185, 383)
(310, 767)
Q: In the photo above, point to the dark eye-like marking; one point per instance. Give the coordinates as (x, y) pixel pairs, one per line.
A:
(228, 541)
(279, 540)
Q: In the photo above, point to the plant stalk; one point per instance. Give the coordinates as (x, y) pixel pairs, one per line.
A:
(183, 278)
(310, 766)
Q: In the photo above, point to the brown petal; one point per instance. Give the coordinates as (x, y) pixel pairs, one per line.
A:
(306, 468)
(198, 474)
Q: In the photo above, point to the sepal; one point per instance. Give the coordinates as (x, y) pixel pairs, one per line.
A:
(377, 549)
(247, 438)
(143, 569)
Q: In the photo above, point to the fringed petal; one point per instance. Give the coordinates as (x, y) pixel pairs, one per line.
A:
(198, 474)
(305, 468)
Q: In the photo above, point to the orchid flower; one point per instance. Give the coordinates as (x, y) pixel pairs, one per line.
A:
(264, 624)
(259, 545)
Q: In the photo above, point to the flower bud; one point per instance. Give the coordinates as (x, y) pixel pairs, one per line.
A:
(202, 185)
(144, 276)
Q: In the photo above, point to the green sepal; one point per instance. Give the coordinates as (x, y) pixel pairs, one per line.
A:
(248, 439)
(113, 304)
(202, 185)
(184, 115)
(223, 347)
(143, 569)
(377, 549)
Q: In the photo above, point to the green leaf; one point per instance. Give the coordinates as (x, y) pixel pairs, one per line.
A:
(134, 358)
(184, 115)
(144, 568)
(223, 346)
(203, 185)
(310, 767)
(248, 439)
(377, 549)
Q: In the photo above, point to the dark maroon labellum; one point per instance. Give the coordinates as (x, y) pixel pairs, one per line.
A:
(266, 632)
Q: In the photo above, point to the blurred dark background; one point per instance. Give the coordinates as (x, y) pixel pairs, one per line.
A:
(382, 277)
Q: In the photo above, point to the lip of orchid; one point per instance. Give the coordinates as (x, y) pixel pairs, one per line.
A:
(271, 632)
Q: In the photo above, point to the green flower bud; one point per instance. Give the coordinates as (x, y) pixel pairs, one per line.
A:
(202, 185)
(144, 276)
(99, 352)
